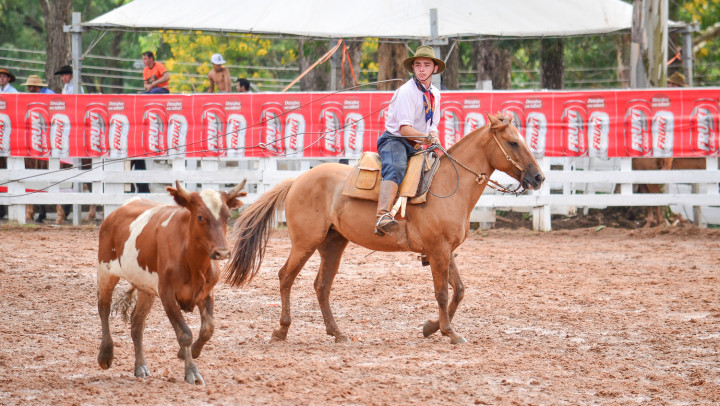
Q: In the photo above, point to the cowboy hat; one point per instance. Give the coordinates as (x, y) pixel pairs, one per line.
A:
(65, 69)
(217, 59)
(34, 80)
(424, 51)
(7, 72)
(677, 79)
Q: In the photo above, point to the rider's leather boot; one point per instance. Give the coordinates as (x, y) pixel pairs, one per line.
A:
(385, 221)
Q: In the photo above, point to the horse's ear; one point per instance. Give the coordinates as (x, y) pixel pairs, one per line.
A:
(491, 119)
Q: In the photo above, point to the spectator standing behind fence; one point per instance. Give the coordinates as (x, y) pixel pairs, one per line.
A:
(677, 79)
(243, 85)
(219, 76)
(66, 73)
(155, 75)
(5, 79)
(35, 85)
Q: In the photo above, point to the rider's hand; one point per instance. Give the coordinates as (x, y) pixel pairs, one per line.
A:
(432, 138)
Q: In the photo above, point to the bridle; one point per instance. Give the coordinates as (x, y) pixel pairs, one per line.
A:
(483, 178)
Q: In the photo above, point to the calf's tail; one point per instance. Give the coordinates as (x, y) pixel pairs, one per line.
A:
(252, 231)
(124, 303)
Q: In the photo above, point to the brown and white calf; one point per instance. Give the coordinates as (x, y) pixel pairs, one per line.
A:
(168, 251)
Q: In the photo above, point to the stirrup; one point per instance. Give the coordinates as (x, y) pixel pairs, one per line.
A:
(388, 222)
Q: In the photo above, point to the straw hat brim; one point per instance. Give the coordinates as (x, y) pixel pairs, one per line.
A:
(34, 81)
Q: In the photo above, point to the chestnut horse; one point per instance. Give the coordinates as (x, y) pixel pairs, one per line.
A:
(320, 218)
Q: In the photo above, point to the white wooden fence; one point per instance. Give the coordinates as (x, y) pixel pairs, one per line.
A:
(572, 184)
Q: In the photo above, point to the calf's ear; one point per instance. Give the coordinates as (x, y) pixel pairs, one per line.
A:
(230, 198)
(181, 195)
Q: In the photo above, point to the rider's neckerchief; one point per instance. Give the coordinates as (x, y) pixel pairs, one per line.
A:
(428, 100)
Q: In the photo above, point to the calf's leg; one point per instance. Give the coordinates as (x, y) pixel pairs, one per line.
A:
(137, 328)
(106, 285)
(207, 327)
(183, 334)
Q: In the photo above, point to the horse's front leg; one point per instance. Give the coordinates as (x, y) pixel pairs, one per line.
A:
(440, 266)
(183, 334)
(431, 326)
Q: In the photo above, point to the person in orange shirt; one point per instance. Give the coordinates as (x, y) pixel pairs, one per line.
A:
(155, 76)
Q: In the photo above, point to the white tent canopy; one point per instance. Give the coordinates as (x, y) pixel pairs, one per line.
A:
(409, 19)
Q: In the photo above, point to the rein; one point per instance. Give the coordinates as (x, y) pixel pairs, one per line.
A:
(483, 178)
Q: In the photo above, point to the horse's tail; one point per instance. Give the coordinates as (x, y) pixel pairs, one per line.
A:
(252, 231)
(123, 304)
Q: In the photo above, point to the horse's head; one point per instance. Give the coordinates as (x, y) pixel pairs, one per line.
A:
(509, 153)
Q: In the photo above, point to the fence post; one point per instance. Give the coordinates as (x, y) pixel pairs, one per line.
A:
(16, 212)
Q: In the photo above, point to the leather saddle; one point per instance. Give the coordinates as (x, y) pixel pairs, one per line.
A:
(364, 179)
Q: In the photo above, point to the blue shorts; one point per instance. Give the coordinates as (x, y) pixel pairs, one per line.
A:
(158, 90)
(394, 152)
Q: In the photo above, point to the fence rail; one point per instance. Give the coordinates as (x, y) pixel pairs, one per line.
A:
(572, 184)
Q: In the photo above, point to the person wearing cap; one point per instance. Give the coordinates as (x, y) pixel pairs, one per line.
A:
(219, 75)
(155, 75)
(35, 85)
(66, 73)
(413, 116)
(5, 79)
(243, 85)
(677, 79)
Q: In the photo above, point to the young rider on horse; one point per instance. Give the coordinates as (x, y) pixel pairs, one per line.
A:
(413, 117)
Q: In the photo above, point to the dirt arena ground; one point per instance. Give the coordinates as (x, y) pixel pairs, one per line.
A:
(584, 316)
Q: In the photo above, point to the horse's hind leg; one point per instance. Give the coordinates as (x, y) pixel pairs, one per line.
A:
(431, 326)
(331, 251)
(137, 328)
(106, 285)
(287, 274)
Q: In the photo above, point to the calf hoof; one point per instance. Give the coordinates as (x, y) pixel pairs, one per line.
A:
(342, 339)
(142, 371)
(430, 327)
(193, 377)
(278, 335)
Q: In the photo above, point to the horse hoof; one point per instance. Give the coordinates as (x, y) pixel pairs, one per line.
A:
(278, 335)
(342, 339)
(430, 327)
(105, 357)
(458, 340)
(105, 363)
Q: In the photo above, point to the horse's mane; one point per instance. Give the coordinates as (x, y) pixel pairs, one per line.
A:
(504, 122)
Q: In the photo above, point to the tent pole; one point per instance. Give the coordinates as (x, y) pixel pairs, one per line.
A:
(687, 52)
(333, 66)
(76, 31)
(435, 41)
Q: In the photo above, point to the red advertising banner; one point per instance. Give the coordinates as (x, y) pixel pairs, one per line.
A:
(599, 124)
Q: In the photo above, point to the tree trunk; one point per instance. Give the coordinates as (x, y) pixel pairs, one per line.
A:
(451, 76)
(493, 63)
(648, 49)
(354, 50)
(622, 46)
(318, 79)
(390, 58)
(57, 46)
(552, 63)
